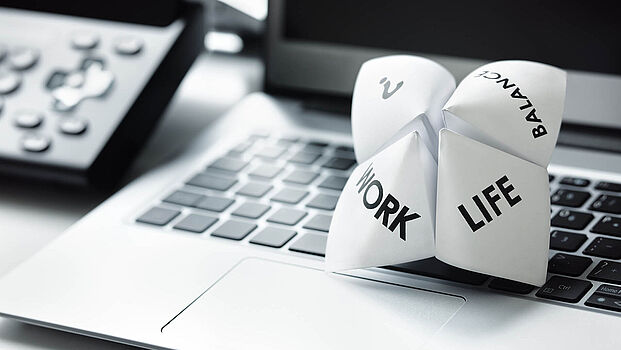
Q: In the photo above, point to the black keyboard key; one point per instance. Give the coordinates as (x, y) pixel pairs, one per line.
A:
(569, 198)
(609, 186)
(575, 181)
(319, 222)
(566, 241)
(212, 182)
(333, 182)
(270, 152)
(315, 146)
(310, 243)
(339, 163)
(214, 203)
(608, 289)
(435, 268)
(323, 201)
(606, 271)
(186, 199)
(228, 164)
(195, 223)
(306, 158)
(301, 177)
(273, 237)
(287, 216)
(289, 195)
(564, 289)
(158, 216)
(604, 248)
(251, 210)
(347, 149)
(234, 229)
(254, 189)
(608, 225)
(573, 220)
(607, 203)
(265, 171)
(510, 286)
(604, 302)
(570, 265)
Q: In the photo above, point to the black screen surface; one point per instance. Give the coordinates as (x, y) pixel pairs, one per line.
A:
(581, 35)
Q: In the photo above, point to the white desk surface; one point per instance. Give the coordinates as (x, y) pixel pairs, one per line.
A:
(31, 215)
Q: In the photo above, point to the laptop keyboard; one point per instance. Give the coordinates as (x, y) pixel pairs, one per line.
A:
(280, 193)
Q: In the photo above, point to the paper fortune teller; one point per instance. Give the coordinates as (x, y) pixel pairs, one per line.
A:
(456, 173)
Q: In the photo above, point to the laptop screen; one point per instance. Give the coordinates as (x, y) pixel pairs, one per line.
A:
(317, 46)
(580, 35)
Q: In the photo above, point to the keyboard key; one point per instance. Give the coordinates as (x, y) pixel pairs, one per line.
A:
(606, 271)
(251, 210)
(573, 220)
(551, 177)
(347, 149)
(604, 248)
(304, 158)
(318, 144)
(273, 237)
(339, 163)
(575, 181)
(323, 201)
(609, 186)
(608, 225)
(234, 229)
(228, 164)
(195, 223)
(570, 265)
(604, 302)
(270, 152)
(254, 189)
(564, 289)
(607, 203)
(319, 222)
(435, 268)
(333, 182)
(212, 182)
(310, 243)
(265, 171)
(608, 289)
(301, 177)
(569, 198)
(287, 216)
(214, 203)
(158, 216)
(184, 198)
(289, 195)
(510, 286)
(238, 151)
(566, 241)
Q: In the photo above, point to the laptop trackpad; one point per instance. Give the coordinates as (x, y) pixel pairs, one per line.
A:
(266, 304)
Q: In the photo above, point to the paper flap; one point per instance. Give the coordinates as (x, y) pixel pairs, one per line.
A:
(386, 212)
(389, 93)
(515, 106)
(493, 211)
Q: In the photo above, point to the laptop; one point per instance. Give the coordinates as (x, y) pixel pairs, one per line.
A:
(222, 247)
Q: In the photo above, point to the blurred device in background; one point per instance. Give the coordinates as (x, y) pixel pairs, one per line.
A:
(82, 84)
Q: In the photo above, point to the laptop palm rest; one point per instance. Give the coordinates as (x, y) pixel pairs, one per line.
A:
(259, 299)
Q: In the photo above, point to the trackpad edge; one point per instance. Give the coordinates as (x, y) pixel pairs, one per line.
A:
(270, 304)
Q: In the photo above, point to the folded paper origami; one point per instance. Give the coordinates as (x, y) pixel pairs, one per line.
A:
(455, 173)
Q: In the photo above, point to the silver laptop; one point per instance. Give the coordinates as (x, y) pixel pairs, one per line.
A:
(223, 246)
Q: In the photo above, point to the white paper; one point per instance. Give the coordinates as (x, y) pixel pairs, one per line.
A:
(363, 233)
(515, 106)
(509, 237)
(493, 212)
(390, 92)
